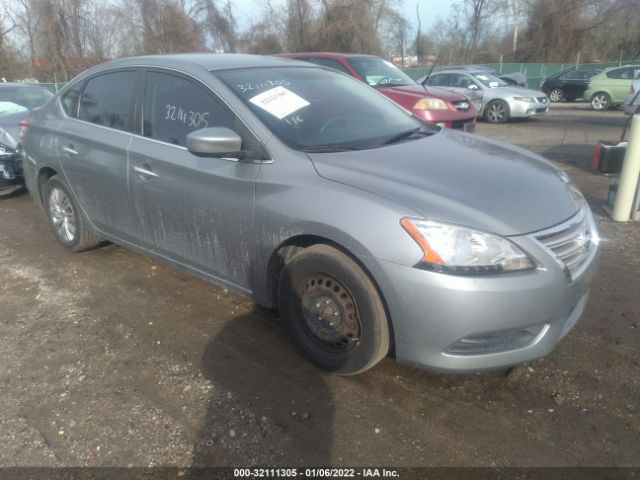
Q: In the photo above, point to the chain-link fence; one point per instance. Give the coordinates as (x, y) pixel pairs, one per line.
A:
(535, 72)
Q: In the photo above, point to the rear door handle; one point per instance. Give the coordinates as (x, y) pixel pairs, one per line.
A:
(69, 151)
(144, 172)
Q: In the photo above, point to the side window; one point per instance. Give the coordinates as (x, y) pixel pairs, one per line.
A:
(108, 100)
(620, 73)
(459, 80)
(69, 100)
(439, 80)
(174, 107)
(328, 62)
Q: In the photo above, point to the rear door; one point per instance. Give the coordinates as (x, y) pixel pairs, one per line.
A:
(92, 149)
(197, 211)
(619, 81)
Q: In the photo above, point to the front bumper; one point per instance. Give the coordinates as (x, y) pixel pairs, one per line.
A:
(432, 312)
(463, 121)
(519, 109)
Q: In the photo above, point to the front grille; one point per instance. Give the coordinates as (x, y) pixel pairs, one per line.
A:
(569, 242)
(542, 99)
(541, 110)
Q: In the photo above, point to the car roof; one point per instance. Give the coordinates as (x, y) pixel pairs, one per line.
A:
(325, 55)
(208, 61)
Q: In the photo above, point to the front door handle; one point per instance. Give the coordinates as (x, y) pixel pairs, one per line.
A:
(70, 151)
(145, 173)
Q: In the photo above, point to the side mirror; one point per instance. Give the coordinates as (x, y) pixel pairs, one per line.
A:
(212, 141)
(472, 86)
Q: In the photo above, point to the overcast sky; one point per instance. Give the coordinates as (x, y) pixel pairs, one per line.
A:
(430, 10)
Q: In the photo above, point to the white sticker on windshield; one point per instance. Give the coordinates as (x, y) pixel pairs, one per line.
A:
(482, 77)
(493, 84)
(279, 102)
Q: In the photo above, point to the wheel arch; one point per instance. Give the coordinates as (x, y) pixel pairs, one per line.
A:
(288, 248)
(44, 174)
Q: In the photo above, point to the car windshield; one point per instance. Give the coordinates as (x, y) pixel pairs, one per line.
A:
(379, 73)
(23, 98)
(489, 80)
(317, 109)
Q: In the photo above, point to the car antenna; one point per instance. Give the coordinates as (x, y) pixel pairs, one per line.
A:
(430, 70)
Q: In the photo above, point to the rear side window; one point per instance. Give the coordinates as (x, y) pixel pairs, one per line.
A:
(69, 100)
(620, 73)
(174, 107)
(328, 62)
(108, 100)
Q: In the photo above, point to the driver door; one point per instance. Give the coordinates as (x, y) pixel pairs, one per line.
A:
(197, 211)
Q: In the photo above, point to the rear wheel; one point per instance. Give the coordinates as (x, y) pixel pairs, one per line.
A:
(601, 101)
(556, 95)
(65, 218)
(497, 112)
(333, 311)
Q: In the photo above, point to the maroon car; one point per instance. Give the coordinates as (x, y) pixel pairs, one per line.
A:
(432, 105)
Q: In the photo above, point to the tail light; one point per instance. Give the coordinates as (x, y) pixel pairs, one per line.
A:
(24, 126)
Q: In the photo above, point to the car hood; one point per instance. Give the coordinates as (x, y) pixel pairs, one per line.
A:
(462, 179)
(418, 92)
(517, 91)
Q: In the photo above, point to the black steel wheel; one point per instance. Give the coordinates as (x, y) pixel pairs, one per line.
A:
(333, 311)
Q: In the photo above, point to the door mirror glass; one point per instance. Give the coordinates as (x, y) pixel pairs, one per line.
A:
(214, 141)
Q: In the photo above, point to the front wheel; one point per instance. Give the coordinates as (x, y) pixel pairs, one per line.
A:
(497, 112)
(333, 311)
(556, 95)
(601, 101)
(65, 218)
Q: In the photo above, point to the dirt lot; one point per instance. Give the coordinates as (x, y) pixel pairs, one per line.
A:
(109, 358)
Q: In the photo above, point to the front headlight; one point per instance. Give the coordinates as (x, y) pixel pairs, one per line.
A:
(430, 104)
(524, 99)
(458, 250)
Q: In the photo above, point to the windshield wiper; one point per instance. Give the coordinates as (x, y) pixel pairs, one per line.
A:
(329, 148)
(404, 135)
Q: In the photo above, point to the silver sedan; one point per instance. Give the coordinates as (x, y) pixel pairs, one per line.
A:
(302, 188)
(496, 101)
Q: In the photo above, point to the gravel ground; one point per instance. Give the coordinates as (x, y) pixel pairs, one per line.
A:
(108, 358)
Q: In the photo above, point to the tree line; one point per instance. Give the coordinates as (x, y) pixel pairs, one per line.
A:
(56, 39)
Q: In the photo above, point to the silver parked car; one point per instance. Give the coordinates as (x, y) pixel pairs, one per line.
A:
(496, 101)
(302, 188)
(632, 100)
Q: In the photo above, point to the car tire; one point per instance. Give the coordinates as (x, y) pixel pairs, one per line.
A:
(497, 111)
(66, 220)
(600, 101)
(556, 95)
(332, 311)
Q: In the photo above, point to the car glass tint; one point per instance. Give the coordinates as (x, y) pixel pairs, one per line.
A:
(459, 80)
(620, 73)
(107, 100)
(310, 107)
(174, 107)
(69, 100)
(438, 80)
(328, 62)
(378, 72)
